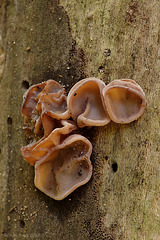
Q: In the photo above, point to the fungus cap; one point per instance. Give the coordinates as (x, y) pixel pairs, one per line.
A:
(48, 97)
(66, 168)
(124, 100)
(30, 99)
(52, 101)
(85, 103)
(38, 150)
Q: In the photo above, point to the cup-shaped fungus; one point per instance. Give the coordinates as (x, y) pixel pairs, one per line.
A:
(48, 97)
(38, 150)
(124, 100)
(30, 99)
(85, 103)
(47, 124)
(62, 162)
(65, 168)
(52, 101)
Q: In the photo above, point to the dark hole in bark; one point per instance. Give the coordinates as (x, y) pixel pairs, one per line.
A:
(107, 52)
(106, 157)
(9, 121)
(114, 167)
(101, 69)
(22, 224)
(25, 84)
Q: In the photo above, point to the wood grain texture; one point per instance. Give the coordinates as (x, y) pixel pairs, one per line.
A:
(68, 40)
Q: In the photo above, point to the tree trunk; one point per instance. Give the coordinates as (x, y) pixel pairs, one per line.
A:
(67, 41)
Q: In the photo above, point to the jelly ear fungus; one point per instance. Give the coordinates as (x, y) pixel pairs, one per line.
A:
(47, 97)
(52, 101)
(38, 150)
(65, 168)
(30, 99)
(62, 161)
(124, 100)
(85, 103)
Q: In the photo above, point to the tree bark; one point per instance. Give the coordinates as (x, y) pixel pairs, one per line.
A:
(66, 41)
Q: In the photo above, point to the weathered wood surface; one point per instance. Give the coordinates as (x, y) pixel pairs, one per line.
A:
(66, 41)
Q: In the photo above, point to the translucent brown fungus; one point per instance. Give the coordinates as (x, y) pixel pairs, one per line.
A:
(62, 161)
(65, 167)
(47, 97)
(85, 103)
(46, 124)
(52, 101)
(30, 99)
(38, 150)
(124, 100)
(49, 124)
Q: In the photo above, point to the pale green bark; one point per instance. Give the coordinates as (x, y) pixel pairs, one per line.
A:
(66, 41)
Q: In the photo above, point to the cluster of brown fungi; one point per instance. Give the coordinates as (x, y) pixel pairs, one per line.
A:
(61, 156)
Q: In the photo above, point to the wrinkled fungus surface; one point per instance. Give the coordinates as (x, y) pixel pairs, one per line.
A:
(38, 150)
(45, 98)
(61, 157)
(30, 99)
(52, 100)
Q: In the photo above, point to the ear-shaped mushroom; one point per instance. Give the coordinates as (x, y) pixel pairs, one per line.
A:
(47, 97)
(65, 168)
(85, 103)
(30, 99)
(49, 124)
(38, 127)
(52, 101)
(124, 100)
(36, 151)
(45, 124)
